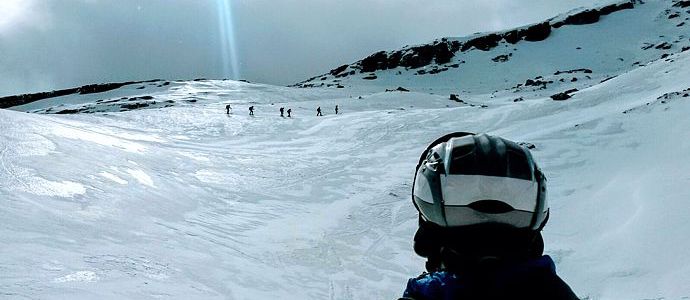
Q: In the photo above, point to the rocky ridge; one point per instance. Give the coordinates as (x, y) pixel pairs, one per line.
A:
(441, 51)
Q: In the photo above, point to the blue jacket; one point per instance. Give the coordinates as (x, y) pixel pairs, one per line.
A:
(532, 279)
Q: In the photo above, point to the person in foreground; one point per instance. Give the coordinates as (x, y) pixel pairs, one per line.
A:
(482, 206)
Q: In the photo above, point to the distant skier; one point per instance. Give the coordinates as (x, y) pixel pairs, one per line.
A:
(482, 204)
(251, 110)
(318, 111)
(336, 109)
(289, 111)
(281, 111)
(227, 109)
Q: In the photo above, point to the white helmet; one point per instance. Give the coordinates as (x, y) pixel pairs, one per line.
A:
(465, 179)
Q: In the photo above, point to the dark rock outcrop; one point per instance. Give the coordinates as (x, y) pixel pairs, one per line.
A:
(484, 42)
(513, 36)
(99, 88)
(537, 32)
(69, 111)
(338, 70)
(130, 106)
(437, 70)
(587, 71)
(537, 82)
(591, 16)
(663, 46)
(582, 18)
(501, 58)
(17, 100)
(376, 61)
(394, 59)
(418, 57)
(682, 4)
(563, 96)
(440, 52)
(560, 96)
(443, 53)
(344, 74)
(616, 7)
(399, 89)
(534, 33)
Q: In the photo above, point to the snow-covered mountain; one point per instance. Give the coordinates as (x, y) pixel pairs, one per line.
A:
(149, 190)
(569, 51)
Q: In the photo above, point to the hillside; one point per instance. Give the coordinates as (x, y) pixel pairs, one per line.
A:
(574, 50)
(149, 190)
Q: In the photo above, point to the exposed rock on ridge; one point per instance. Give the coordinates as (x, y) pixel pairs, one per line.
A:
(442, 51)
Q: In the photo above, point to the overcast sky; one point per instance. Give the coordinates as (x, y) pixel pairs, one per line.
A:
(52, 44)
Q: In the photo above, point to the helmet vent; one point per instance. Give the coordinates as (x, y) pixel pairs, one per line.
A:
(491, 207)
(518, 166)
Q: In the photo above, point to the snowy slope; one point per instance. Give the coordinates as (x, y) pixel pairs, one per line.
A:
(163, 94)
(634, 34)
(186, 202)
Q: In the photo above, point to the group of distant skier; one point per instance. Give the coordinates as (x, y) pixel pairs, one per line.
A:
(282, 111)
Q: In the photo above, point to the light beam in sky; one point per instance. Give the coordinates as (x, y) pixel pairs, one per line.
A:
(227, 40)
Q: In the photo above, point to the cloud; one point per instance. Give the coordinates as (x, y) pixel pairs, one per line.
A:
(16, 14)
(100, 41)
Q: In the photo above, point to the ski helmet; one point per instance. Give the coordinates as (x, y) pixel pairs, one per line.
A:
(465, 179)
